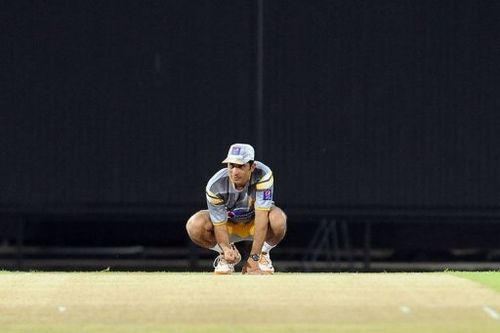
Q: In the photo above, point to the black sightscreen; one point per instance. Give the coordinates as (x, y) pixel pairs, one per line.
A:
(366, 103)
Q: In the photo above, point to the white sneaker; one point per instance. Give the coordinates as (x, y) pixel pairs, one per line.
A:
(222, 266)
(265, 263)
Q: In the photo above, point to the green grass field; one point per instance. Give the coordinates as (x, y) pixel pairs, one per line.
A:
(202, 302)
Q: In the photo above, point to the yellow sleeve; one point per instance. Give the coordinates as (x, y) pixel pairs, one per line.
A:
(213, 198)
(265, 182)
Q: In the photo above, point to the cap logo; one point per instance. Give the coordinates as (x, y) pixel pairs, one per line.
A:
(239, 153)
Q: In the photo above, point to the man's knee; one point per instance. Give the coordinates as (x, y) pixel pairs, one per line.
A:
(196, 225)
(278, 216)
(277, 219)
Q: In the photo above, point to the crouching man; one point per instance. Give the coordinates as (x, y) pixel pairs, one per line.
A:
(240, 208)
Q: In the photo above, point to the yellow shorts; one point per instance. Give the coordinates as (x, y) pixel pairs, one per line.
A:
(240, 231)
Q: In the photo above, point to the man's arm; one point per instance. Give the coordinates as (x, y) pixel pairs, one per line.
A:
(222, 238)
(261, 225)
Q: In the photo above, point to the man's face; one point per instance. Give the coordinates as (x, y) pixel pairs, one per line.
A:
(240, 173)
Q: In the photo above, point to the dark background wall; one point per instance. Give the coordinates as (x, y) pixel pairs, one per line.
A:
(387, 103)
(122, 102)
(367, 104)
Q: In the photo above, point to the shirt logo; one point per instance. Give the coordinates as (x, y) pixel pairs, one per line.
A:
(239, 214)
(268, 194)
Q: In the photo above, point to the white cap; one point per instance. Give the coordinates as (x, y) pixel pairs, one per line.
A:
(240, 153)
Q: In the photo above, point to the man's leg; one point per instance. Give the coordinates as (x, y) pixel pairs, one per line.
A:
(275, 233)
(277, 226)
(201, 230)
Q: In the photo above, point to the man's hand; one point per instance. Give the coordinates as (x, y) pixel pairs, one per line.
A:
(232, 255)
(251, 267)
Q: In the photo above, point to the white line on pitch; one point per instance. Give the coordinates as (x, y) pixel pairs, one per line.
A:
(491, 312)
(404, 309)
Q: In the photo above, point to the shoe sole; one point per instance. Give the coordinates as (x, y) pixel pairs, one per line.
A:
(267, 271)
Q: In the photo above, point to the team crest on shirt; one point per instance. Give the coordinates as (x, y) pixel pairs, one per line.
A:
(268, 194)
(238, 214)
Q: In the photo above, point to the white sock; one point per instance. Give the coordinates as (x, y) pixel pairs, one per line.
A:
(216, 248)
(266, 248)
